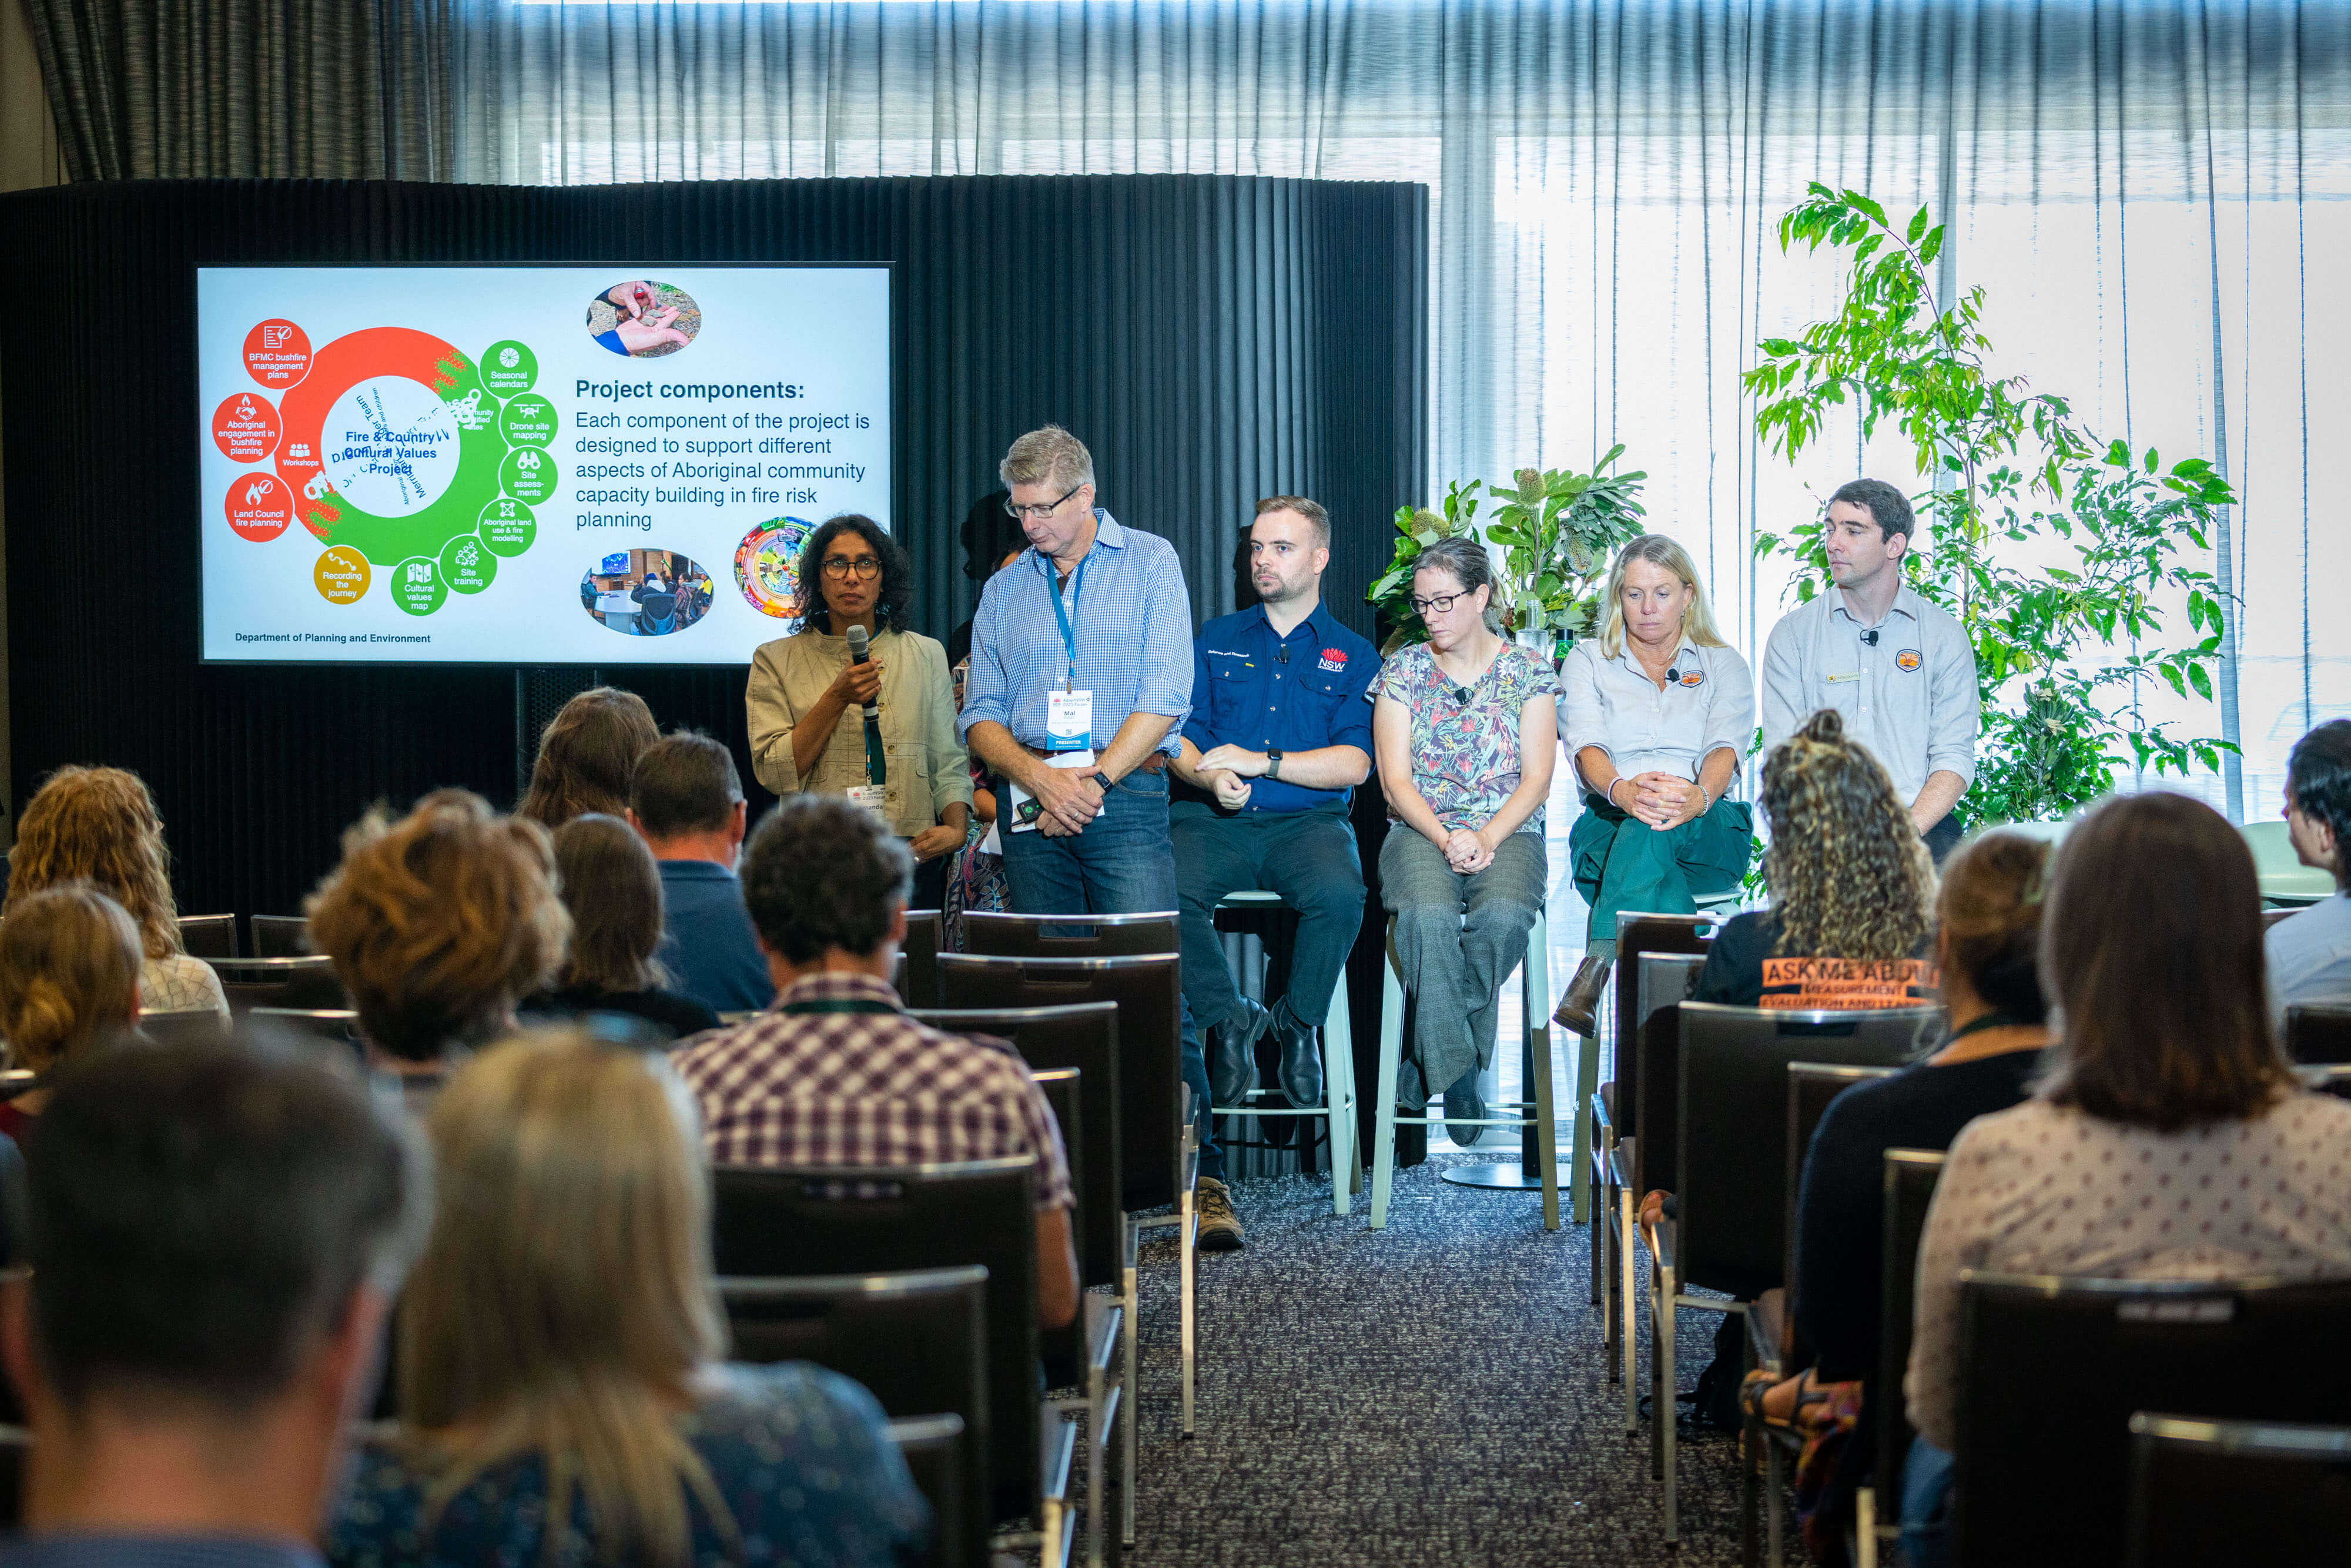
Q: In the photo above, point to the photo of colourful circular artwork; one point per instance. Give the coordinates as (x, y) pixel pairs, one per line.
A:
(766, 568)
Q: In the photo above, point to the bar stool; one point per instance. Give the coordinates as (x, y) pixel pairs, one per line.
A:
(1539, 1132)
(1338, 1076)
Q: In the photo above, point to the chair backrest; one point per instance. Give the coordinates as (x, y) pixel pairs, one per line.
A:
(1064, 1091)
(1083, 1036)
(1812, 1085)
(15, 1457)
(340, 1024)
(1148, 989)
(181, 1026)
(2319, 1034)
(932, 1448)
(776, 1222)
(208, 936)
(1910, 1179)
(918, 1341)
(2328, 1078)
(2052, 1370)
(1070, 936)
(297, 983)
(1731, 1124)
(1637, 934)
(918, 960)
(1660, 982)
(2237, 1491)
(281, 936)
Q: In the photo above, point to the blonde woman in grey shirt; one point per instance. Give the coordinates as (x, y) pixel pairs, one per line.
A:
(807, 699)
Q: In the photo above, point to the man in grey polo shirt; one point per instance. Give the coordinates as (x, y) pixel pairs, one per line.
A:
(1899, 670)
(2310, 950)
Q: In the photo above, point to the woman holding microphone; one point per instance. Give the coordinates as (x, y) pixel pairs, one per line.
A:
(807, 697)
(1659, 710)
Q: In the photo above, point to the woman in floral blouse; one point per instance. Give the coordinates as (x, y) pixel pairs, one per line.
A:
(1467, 727)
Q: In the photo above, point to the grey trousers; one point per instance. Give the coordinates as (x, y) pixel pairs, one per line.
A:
(1458, 938)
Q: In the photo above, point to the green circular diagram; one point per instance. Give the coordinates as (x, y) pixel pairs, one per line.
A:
(467, 565)
(528, 421)
(508, 526)
(508, 368)
(417, 587)
(529, 475)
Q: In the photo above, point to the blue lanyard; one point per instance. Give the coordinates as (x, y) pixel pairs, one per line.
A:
(1061, 613)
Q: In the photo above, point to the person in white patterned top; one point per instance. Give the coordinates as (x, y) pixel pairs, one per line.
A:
(2171, 1141)
(100, 825)
(837, 1074)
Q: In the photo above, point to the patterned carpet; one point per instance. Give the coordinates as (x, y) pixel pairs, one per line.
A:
(1431, 1393)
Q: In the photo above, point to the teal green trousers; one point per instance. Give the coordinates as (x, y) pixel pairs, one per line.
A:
(1623, 864)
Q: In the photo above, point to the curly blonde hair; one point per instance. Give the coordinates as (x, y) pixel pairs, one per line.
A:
(69, 963)
(439, 922)
(1849, 875)
(98, 825)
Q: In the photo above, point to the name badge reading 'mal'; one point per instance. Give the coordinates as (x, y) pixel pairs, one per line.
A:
(1069, 721)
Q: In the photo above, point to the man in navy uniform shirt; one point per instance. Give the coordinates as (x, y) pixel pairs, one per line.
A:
(1280, 732)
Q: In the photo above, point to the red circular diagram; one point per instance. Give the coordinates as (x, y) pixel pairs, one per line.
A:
(360, 356)
(246, 427)
(260, 506)
(276, 354)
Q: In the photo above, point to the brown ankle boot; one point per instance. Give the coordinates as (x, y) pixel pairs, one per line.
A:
(1578, 1007)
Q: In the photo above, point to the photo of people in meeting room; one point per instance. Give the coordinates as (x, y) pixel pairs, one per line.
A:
(645, 592)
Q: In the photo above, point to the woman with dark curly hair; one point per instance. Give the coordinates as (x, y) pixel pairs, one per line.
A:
(1852, 888)
(806, 738)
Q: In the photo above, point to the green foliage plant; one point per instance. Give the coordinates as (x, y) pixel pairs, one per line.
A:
(2053, 547)
(1557, 531)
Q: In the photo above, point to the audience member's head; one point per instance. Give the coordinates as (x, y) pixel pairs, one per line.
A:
(613, 890)
(585, 755)
(824, 877)
(215, 1232)
(440, 922)
(563, 1303)
(1988, 923)
(687, 794)
(98, 825)
(69, 960)
(2151, 951)
(1848, 872)
(2318, 798)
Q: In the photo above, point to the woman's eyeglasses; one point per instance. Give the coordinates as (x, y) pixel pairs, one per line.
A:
(865, 566)
(1438, 605)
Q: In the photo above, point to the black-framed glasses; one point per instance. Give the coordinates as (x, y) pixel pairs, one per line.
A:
(1438, 604)
(865, 566)
(1013, 508)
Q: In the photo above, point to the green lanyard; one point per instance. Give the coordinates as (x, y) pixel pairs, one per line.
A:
(837, 1005)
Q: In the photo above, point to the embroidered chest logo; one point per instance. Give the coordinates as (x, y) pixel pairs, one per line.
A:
(1908, 659)
(1693, 677)
(1332, 659)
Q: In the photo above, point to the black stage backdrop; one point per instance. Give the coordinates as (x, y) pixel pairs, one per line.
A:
(1212, 339)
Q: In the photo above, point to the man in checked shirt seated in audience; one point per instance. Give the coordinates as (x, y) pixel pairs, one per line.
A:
(837, 1074)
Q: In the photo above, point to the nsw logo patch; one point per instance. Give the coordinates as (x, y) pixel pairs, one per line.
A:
(1908, 659)
(1333, 659)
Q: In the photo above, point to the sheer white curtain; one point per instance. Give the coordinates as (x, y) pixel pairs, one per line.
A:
(2153, 192)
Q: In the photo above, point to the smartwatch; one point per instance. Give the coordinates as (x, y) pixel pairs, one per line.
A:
(1272, 764)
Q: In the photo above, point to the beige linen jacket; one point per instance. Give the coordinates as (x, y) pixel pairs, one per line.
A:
(929, 767)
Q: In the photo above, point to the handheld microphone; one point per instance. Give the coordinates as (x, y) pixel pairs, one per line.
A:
(1870, 636)
(876, 760)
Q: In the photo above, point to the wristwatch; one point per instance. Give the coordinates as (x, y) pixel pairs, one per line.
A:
(1272, 764)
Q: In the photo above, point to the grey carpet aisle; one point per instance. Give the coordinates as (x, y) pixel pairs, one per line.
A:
(1432, 1394)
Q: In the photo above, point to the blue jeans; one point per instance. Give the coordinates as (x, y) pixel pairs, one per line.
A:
(1124, 863)
(1927, 1506)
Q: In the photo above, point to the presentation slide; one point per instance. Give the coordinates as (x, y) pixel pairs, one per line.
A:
(607, 465)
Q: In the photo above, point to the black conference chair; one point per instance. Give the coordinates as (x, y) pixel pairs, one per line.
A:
(2332, 1078)
(1772, 1317)
(2318, 1035)
(1631, 1144)
(1070, 936)
(918, 1343)
(208, 936)
(301, 984)
(340, 1024)
(183, 1026)
(1610, 1106)
(933, 1447)
(776, 1222)
(1910, 1179)
(2052, 1370)
(15, 1457)
(1158, 1156)
(1728, 1178)
(281, 936)
(2237, 1491)
(918, 960)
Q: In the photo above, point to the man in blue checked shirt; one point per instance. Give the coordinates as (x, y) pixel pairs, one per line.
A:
(1280, 733)
(1080, 675)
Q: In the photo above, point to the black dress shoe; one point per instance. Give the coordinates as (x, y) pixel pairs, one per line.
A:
(1232, 1053)
(1301, 1063)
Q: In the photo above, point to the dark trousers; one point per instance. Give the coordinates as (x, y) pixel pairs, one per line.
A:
(1944, 837)
(1310, 859)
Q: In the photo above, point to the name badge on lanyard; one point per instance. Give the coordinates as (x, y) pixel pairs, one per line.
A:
(1070, 712)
